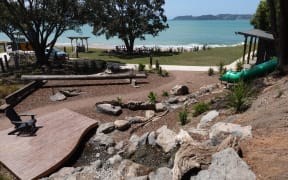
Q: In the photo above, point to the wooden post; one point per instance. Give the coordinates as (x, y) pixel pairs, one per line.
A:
(254, 48)
(2, 65)
(250, 48)
(6, 62)
(71, 44)
(245, 47)
(77, 55)
(87, 45)
(16, 60)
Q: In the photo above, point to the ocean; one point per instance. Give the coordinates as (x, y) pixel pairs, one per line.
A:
(215, 33)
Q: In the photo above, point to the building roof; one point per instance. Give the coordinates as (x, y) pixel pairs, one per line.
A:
(257, 33)
(78, 37)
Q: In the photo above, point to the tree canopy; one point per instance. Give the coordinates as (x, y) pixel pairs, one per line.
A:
(127, 19)
(261, 19)
(40, 21)
(272, 16)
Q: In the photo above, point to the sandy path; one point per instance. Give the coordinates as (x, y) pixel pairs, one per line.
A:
(194, 80)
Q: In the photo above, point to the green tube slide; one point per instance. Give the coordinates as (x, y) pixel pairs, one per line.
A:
(248, 74)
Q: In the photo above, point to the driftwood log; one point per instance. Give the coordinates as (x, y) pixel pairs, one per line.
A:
(84, 77)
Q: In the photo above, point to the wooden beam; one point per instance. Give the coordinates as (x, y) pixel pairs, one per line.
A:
(17, 96)
(83, 77)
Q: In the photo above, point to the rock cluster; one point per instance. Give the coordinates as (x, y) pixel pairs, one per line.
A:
(207, 151)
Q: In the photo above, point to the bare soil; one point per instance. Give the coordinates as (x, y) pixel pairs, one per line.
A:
(266, 153)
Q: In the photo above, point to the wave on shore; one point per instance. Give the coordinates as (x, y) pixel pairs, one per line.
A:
(189, 47)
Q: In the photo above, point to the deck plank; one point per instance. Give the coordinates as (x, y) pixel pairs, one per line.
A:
(40, 155)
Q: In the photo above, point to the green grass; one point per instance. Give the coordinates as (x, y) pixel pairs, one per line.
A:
(211, 57)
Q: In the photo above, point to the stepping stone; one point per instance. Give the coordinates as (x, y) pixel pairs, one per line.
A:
(109, 109)
(122, 125)
(179, 90)
(57, 97)
(106, 128)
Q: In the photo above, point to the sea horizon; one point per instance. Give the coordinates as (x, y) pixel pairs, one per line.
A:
(180, 34)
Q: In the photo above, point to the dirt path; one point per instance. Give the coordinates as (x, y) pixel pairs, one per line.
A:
(39, 103)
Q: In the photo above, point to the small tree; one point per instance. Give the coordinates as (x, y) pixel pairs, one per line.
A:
(152, 97)
(127, 19)
(183, 116)
(41, 22)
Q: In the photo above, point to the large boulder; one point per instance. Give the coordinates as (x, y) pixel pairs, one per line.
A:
(134, 139)
(135, 119)
(104, 140)
(229, 128)
(122, 125)
(159, 107)
(226, 165)
(184, 137)
(109, 109)
(210, 116)
(179, 90)
(58, 97)
(106, 128)
(161, 173)
(115, 159)
(152, 138)
(138, 105)
(70, 92)
(166, 139)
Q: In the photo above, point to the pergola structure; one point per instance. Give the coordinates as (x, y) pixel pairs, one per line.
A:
(80, 38)
(265, 48)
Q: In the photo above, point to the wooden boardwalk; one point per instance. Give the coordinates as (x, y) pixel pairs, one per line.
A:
(40, 155)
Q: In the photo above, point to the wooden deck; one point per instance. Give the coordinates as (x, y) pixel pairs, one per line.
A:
(40, 155)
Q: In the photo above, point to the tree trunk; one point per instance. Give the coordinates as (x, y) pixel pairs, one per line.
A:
(129, 45)
(41, 58)
(283, 37)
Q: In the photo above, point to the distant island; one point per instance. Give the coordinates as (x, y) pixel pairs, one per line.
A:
(215, 17)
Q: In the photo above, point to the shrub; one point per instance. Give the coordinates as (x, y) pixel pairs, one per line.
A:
(210, 71)
(76, 67)
(119, 100)
(160, 71)
(85, 68)
(152, 97)
(165, 94)
(183, 116)
(239, 66)
(200, 108)
(93, 66)
(141, 67)
(5, 90)
(221, 68)
(157, 65)
(239, 97)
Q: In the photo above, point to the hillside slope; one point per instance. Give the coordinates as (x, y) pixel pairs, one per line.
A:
(267, 151)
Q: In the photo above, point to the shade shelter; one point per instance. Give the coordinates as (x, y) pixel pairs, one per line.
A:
(265, 48)
(81, 38)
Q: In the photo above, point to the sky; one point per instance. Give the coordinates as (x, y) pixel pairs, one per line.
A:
(175, 8)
